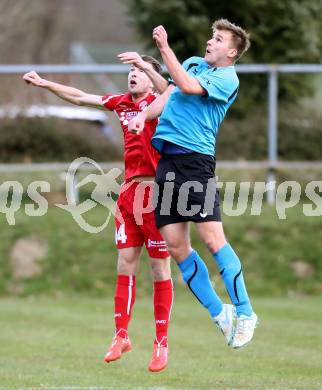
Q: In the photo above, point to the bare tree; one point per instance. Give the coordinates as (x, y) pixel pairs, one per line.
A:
(13, 13)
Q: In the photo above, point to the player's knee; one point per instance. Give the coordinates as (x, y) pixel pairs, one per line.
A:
(213, 242)
(179, 250)
(126, 265)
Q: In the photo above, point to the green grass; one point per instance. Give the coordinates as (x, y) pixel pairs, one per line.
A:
(83, 262)
(61, 342)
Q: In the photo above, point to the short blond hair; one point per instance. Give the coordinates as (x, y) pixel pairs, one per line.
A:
(241, 38)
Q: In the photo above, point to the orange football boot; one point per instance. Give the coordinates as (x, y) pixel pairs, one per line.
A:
(119, 345)
(159, 358)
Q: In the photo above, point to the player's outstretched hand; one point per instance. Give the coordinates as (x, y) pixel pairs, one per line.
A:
(134, 58)
(161, 37)
(136, 125)
(34, 79)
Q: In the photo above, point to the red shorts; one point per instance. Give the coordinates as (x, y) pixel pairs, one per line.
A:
(134, 220)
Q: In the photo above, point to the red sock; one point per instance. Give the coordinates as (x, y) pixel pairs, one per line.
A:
(123, 302)
(163, 298)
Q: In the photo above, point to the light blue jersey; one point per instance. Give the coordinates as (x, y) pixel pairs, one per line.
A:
(192, 121)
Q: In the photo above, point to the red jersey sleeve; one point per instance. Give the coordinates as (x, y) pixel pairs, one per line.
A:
(110, 101)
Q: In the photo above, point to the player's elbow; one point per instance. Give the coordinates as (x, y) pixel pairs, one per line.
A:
(192, 86)
(187, 89)
(192, 89)
(79, 101)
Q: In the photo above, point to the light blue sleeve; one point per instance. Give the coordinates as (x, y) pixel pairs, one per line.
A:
(186, 64)
(190, 62)
(220, 84)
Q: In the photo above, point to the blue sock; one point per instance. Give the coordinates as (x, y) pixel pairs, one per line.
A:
(195, 274)
(231, 272)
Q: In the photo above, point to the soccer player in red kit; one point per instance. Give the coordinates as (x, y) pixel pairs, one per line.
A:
(135, 225)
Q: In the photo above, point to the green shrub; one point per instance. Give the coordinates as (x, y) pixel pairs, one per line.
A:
(38, 140)
(299, 135)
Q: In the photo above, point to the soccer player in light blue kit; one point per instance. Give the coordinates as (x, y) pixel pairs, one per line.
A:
(192, 110)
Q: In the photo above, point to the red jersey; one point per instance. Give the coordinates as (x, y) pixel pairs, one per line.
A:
(140, 157)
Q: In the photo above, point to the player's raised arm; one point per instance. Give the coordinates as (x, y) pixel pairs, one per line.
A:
(160, 83)
(154, 110)
(70, 94)
(182, 79)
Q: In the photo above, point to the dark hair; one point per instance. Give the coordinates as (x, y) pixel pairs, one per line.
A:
(156, 64)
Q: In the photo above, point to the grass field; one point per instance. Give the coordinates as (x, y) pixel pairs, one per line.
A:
(60, 343)
(77, 261)
(52, 335)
